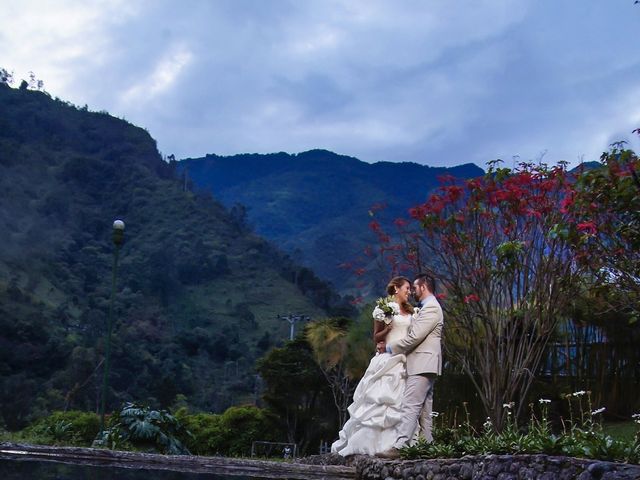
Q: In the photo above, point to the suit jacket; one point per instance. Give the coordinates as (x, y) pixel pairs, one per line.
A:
(421, 345)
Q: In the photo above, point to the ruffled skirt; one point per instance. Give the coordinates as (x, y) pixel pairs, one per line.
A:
(376, 411)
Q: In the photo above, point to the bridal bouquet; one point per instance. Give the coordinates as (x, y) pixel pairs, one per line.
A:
(386, 308)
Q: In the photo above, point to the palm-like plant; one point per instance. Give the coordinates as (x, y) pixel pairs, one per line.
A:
(329, 340)
(143, 427)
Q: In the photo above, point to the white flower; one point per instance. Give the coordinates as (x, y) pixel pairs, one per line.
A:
(636, 418)
(544, 400)
(508, 405)
(599, 410)
(378, 314)
(487, 424)
(578, 394)
(434, 414)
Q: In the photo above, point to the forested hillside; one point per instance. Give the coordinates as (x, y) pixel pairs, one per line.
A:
(317, 205)
(198, 293)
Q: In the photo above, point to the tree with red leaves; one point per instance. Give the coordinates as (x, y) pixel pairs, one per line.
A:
(501, 247)
(606, 203)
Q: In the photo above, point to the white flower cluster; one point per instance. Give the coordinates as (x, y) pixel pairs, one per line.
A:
(508, 405)
(578, 394)
(636, 417)
(434, 414)
(385, 310)
(599, 410)
(542, 401)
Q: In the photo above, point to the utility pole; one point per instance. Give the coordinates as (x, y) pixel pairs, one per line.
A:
(292, 319)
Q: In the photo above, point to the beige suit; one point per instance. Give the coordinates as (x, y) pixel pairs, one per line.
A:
(422, 348)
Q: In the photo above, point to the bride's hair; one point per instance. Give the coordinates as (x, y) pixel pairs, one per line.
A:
(394, 285)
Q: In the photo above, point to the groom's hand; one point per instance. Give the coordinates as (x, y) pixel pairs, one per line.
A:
(381, 347)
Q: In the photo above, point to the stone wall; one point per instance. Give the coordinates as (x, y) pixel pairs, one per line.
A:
(493, 467)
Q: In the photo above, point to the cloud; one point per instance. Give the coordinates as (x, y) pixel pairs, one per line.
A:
(59, 41)
(163, 76)
(434, 82)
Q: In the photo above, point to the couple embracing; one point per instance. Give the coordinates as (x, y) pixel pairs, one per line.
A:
(392, 404)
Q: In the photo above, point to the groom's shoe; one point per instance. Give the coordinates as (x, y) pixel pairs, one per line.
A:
(390, 453)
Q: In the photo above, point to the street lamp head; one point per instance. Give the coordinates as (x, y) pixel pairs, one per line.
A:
(118, 232)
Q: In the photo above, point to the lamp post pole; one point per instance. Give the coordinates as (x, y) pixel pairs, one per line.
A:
(118, 239)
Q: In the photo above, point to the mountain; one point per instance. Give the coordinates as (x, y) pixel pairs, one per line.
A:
(316, 205)
(198, 293)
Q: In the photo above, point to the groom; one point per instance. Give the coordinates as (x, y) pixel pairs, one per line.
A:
(422, 347)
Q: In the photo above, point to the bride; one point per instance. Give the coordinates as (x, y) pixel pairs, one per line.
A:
(376, 410)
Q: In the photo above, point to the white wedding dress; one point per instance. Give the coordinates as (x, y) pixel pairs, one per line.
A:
(376, 411)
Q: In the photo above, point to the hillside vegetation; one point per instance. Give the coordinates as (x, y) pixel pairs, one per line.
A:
(198, 293)
(317, 205)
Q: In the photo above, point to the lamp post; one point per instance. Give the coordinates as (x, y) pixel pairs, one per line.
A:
(118, 239)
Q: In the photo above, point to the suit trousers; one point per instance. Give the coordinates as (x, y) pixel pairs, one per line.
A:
(417, 406)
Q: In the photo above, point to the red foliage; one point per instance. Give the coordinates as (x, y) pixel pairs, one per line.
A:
(567, 201)
(471, 298)
(435, 204)
(357, 301)
(418, 212)
(446, 179)
(474, 184)
(453, 193)
(400, 222)
(587, 227)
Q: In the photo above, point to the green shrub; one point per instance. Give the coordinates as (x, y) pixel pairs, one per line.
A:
(65, 428)
(230, 433)
(247, 424)
(138, 427)
(208, 435)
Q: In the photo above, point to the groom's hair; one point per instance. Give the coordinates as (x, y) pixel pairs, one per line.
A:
(427, 280)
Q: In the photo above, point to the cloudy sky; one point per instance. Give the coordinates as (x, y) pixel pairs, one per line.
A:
(431, 81)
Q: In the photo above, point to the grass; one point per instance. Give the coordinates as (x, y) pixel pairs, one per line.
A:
(624, 431)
